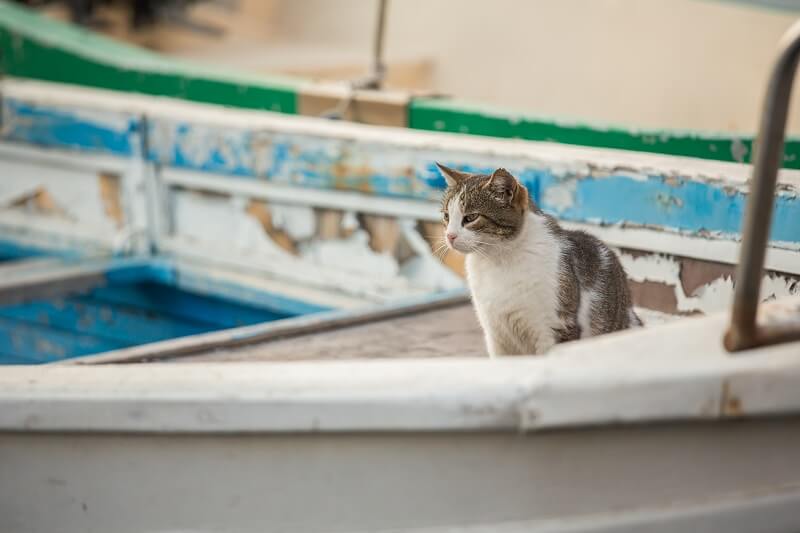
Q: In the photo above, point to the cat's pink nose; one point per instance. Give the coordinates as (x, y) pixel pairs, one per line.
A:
(451, 237)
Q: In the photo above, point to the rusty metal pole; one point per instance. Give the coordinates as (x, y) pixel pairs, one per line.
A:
(743, 332)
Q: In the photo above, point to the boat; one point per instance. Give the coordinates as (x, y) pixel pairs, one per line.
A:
(220, 314)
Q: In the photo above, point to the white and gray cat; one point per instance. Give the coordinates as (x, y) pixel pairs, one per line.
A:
(533, 283)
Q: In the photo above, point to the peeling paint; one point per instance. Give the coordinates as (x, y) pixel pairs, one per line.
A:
(298, 221)
(352, 254)
(560, 197)
(74, 128)
(423, 269)
(51, 190)
(584, 186)
(715, 295)
(738, 150)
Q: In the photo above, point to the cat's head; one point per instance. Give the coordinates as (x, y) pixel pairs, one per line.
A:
(481, 211)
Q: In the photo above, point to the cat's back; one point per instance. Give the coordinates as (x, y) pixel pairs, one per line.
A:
(606, 303)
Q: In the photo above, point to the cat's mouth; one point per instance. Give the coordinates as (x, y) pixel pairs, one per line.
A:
(460, 247)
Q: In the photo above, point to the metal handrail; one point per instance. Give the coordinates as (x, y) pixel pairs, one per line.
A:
(743, 332)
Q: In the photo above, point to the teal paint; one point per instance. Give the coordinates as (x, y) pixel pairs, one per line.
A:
(59, 128)
(678, 204)
(137, 302)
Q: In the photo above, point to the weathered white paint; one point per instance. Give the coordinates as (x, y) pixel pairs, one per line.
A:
(561, 196)
(214, 274)
(17, 190)
(288, 195)
(222, 222)
(55, 234)
(683, 244)
(349, 221)
(292, 269)
(219, 220)
(424, 269)
(62, 159)
(75, 194)
(714, 296)
(298, 221)
(352, 254)
(72, 181)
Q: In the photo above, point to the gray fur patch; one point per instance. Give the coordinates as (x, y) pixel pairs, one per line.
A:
(587, 264)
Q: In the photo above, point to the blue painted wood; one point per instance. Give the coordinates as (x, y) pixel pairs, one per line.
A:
(153, 270)
(139, 301)
(676, 204)
(36, 343)
(13, 359)
(110, 133)
(182, 305)
(114, 323)
(12, 250)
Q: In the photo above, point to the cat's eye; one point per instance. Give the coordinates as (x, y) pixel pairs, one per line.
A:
(468, 219)
(446, 217)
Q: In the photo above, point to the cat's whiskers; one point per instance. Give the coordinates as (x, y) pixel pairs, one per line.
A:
(441, 250)
(480, 252)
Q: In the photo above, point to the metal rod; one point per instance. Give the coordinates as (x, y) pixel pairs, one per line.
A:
(374, 79)
(378, 64)
(743, 332)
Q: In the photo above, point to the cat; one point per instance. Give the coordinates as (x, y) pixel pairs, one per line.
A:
(534, 284)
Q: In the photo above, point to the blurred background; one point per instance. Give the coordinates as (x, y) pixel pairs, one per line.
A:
(687, 64)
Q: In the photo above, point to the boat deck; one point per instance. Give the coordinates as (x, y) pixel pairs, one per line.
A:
(448, 332)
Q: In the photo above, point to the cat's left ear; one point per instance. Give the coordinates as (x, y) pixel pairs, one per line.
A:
(451, 176)
(504, 185)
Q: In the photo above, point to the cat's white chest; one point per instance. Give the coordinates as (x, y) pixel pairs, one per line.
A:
(517, 299)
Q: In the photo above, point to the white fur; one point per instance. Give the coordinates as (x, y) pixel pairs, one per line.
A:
(633, 319)
(585, 312)
(514, 285)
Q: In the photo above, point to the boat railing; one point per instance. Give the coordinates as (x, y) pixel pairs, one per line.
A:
(744, 332)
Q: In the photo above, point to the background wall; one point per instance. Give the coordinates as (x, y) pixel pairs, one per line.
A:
(655, 63)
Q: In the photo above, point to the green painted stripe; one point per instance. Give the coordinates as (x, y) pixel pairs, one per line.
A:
(34, 46)
(440, 114)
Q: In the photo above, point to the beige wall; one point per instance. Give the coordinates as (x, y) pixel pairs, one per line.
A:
(650, 63)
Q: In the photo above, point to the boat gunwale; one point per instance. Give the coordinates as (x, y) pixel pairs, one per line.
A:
(673, 372)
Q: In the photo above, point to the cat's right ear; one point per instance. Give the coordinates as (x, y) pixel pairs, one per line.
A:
(451, 176)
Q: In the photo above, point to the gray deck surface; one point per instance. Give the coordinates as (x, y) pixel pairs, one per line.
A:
(451, 332)
(446, 332)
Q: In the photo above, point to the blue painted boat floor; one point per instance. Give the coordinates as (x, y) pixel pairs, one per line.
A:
(113, 316)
